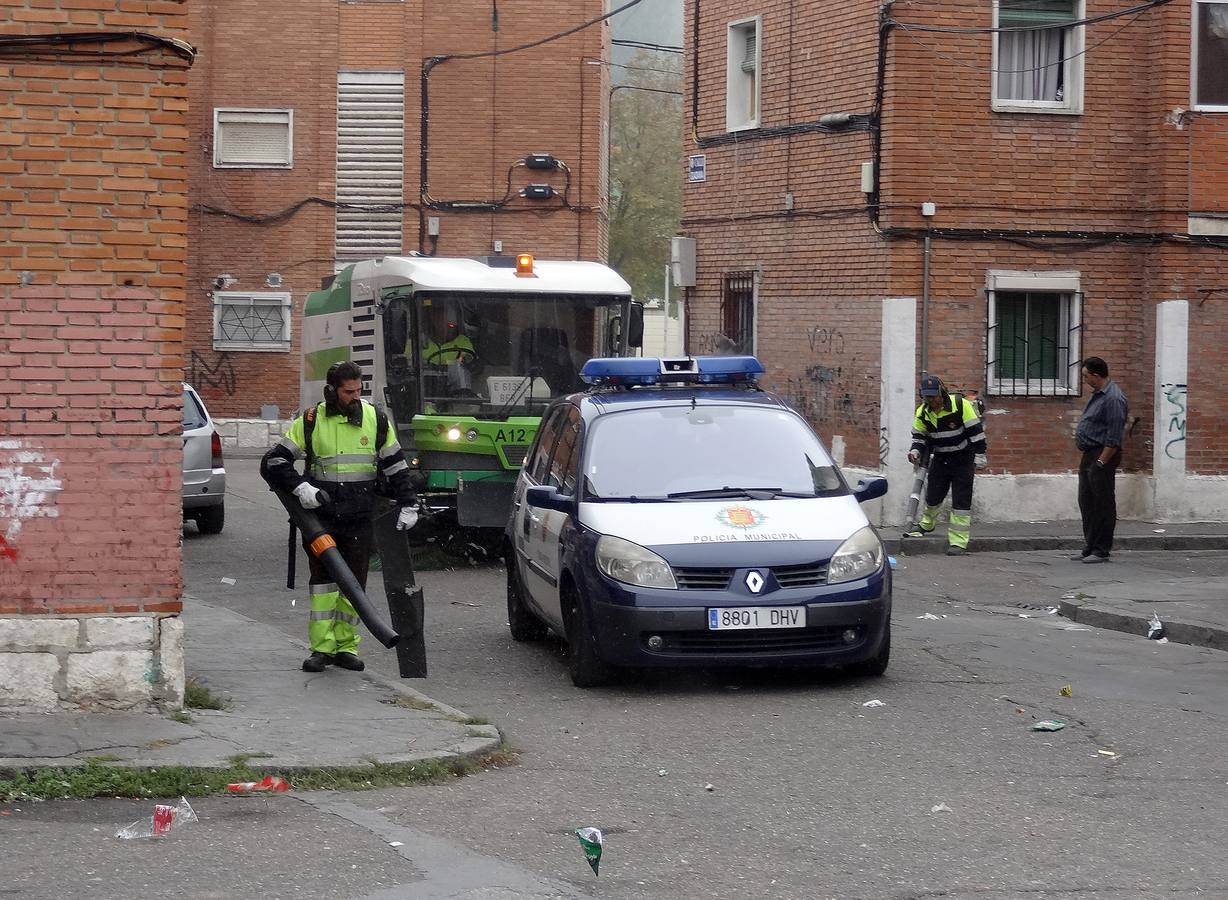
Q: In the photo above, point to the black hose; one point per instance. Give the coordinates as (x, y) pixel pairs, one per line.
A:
(322, 546)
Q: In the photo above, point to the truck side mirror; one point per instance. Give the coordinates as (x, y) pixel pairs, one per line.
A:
(635, 327)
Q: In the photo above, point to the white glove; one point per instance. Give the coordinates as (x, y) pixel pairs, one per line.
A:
(407, 519)
(309, 497)
(914, 456)
(980, 461)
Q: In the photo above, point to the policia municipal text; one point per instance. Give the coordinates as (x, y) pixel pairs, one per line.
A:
(346, 442)
(948, 428)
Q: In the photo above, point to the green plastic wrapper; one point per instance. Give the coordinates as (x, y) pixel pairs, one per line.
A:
(590, 840)
(1048, 725)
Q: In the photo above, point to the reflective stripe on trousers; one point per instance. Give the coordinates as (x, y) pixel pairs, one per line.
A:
(333, 627)
(959, 529)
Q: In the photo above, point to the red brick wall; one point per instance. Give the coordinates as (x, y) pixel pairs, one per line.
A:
(92, 220)
(1134, 161)
(485, 114)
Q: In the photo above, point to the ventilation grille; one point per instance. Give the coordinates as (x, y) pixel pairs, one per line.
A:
(370, 164)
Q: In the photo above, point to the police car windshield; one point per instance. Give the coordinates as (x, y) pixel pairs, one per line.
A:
(706, 452)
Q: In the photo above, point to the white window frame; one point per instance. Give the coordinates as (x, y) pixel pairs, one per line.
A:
(224, 299)
(224, 115)
(743, 91)
(1194, 104)
(1065, 284)
(1072, 102)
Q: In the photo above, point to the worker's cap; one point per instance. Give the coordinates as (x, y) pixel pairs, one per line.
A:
(931, 386)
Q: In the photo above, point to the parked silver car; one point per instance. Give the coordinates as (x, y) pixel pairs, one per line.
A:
(204, 475)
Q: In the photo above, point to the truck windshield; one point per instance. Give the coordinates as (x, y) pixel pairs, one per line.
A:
(492, 355)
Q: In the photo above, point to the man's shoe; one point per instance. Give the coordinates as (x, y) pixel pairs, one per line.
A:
(917, 532)
(956, 551)
(317, 662)
(1096, 558)
(1080, 556)
(349, 661)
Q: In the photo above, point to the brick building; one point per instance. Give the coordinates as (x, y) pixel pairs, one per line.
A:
(313, 149)
(985, 191)
(93, 210)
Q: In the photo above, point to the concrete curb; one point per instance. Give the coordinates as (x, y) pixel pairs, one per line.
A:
(1212, 636)
(1003, 544)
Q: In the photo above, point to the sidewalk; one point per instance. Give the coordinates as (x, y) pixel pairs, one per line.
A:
(1186, 585)
(277, 717)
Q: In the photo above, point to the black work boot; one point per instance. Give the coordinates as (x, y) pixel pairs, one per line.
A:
(316, 662)
(349, 661)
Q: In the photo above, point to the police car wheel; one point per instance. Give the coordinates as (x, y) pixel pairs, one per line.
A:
(586, 668)
(524, 626)
(876, 665)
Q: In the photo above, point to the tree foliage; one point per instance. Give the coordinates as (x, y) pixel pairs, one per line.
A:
(645, 172)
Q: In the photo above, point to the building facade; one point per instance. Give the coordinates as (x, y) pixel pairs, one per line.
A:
(336, 130)
(93, 222)
(988, 192)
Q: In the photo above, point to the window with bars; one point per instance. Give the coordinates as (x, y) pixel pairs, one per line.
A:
(253, 138)
(251, 321)
(1032, 335)
(1210, 55)
(742, 75)
(738, 313)
(1038, 56)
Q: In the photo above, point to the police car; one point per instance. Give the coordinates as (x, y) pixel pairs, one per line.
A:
(676, 514)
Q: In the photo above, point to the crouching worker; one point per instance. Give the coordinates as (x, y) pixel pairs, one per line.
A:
(346, 442)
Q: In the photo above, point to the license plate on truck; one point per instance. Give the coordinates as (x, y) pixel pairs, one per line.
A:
(735, 617)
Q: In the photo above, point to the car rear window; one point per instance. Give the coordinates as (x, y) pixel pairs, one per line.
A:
(653, 452)
(193, 413)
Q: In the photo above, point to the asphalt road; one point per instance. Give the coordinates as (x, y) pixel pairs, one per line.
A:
(759, 784)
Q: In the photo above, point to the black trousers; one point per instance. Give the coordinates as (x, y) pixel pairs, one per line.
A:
(354, 538)
(951, 472)
(1098, 501)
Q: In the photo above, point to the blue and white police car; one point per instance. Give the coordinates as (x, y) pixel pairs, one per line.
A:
(676, 514)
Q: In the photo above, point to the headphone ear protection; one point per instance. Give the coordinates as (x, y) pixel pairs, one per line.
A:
(330, 386)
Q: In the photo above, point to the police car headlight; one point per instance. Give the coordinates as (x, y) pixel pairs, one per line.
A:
(859, 556)
(632, 564)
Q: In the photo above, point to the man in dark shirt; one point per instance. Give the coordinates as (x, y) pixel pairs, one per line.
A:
(1099, 437)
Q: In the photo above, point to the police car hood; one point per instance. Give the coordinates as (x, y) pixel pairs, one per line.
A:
(727, 522)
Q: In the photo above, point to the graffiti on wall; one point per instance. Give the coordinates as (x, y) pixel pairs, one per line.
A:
(1176, 400)
(218, 373)
(825, 340)
(28, 489)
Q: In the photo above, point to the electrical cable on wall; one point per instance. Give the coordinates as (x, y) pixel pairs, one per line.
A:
(30, 46)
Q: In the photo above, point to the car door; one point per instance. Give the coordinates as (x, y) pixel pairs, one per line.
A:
(526, 520)
(564, 462)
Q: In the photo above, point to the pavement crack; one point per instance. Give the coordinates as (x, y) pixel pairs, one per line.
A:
(950, 662)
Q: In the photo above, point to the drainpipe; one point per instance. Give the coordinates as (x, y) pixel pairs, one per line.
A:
(927, 210)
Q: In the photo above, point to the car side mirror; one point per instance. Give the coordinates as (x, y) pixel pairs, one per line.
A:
(548, 497)
(635, 327)
(869, 489)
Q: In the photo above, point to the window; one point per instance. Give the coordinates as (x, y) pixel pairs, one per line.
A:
(370, 164)
(563, 464)
(1033, 330)
(251, 321)
(1038, 56)
(253, 138)
(742, 75)
(737, 314)
(538, 465)
(1209, 58)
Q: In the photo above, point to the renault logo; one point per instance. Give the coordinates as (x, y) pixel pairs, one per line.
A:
(754, 581)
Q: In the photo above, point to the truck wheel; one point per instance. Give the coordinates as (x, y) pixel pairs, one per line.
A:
(211, 519)
(586, 667)
(876, 665)
(525, 626)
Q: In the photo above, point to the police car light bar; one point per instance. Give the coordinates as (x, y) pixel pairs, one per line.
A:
(686, 370)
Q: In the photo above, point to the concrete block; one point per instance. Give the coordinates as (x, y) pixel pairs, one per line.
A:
(114, 678)
(253, 434)
(27, 681)
(227, 429)
(131, 632)
(38, 633)
(169, 661)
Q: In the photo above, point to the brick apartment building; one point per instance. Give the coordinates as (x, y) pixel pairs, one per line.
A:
(1076, 161)
(312, 149)
(93, 216)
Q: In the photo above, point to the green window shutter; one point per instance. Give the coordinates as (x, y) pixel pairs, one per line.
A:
(1030, 14)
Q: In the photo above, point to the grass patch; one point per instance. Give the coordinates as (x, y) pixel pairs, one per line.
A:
(94, 779)
(198, 696)
(182, 716)
(409, 701)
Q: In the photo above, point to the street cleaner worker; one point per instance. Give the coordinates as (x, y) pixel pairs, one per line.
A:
(346, 442)
(948, 427)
